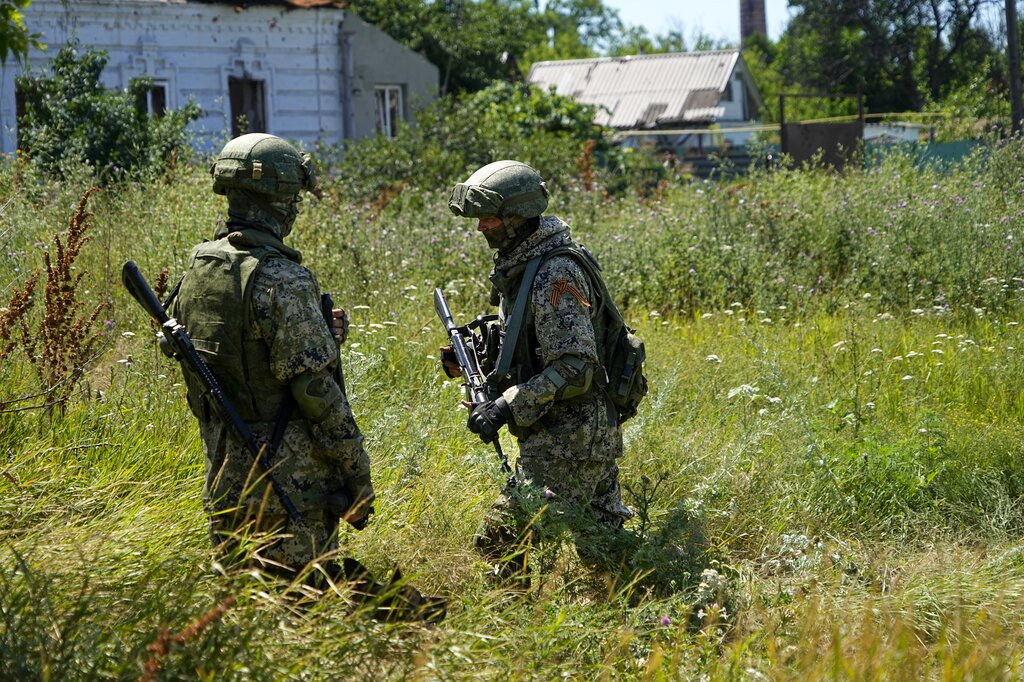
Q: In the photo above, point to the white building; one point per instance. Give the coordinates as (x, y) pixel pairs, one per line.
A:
(685, 99)
(305, 70)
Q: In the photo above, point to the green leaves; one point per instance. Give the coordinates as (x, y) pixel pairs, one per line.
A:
(71, 118)
(15, 40)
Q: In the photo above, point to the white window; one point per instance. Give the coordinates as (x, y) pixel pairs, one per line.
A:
(389, 109)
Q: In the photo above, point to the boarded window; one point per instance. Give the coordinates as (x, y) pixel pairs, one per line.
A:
(389, 109)
(154, 100)
(248, 110)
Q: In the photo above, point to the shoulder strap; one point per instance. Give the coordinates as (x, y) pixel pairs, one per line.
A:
(515, 323)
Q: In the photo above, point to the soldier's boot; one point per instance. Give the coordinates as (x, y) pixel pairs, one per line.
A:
(395, 600)
(507, 556)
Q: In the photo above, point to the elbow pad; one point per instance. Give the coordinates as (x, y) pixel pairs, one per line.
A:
(315, 394)
(571, 376)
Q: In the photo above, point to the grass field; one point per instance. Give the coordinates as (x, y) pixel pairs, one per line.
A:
(835, 419)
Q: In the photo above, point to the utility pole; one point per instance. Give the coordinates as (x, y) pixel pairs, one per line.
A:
(1013, 52)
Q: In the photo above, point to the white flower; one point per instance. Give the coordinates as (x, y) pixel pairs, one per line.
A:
(906, 377)
(127, 335)
(713, 358)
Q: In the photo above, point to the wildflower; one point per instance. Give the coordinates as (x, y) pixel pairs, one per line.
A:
(906, 377)
(713, 358)
(665, 621)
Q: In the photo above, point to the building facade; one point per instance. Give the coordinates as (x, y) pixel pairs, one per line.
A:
(306, 70)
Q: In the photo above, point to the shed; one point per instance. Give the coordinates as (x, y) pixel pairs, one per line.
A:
(682, 90)
(306, 70)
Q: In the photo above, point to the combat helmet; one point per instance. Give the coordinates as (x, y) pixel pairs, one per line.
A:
(510, 190)
(265, 164)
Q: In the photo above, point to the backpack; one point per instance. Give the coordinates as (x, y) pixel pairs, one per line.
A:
(621, 351)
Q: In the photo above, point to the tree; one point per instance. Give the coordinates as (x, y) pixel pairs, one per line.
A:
(472, 42)
(901, 53)
(576, 29)
(70, 117)
(15, 40)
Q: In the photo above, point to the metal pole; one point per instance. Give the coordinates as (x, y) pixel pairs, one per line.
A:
(1013, 52)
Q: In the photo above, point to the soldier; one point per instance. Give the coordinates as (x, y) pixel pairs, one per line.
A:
(550, 389)
(255, 314)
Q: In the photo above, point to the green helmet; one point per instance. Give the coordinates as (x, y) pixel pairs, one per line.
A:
(265, 164)
(510, 190)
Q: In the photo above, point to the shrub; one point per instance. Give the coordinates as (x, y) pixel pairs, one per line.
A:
(454, 136)
(71, 118)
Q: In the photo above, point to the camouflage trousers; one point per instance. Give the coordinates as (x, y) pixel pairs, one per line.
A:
(274, 543)
(551, 494)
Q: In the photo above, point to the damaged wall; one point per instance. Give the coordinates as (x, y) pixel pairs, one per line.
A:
(279, 66)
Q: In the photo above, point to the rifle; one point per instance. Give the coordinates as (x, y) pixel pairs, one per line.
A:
(466, 357)
(181, 344)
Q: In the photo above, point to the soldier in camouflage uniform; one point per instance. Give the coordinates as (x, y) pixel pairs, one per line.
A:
(553, 399)
(254, 313)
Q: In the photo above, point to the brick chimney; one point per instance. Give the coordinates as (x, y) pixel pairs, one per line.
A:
(752, 19)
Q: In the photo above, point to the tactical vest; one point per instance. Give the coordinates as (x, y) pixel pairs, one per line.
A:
(621, 354)
(505, 290)
(214, 303)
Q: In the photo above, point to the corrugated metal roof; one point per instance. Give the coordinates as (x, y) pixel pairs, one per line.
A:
(643, 91)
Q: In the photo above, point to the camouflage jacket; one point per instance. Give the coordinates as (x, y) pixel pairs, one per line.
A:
(559, 408)
(287, 337)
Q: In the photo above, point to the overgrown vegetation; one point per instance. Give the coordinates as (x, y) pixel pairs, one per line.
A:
(454, 136)
(71, 118)
(833, 436)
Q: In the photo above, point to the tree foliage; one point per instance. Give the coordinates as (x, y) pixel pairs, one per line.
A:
(471, 42)
(455, 135)
(900, 53)
(70, 117)
(15, 40)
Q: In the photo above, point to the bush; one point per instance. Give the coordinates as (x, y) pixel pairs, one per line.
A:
(71, 118)
(454, 136)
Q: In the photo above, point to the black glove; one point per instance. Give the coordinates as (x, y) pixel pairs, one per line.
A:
(450, 362)
(487, 418)
(361, 493)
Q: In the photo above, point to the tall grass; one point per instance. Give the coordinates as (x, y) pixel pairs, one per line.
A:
(836, 411)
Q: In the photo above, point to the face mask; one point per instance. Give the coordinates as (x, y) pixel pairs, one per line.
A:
(288, 210)
(497, 238)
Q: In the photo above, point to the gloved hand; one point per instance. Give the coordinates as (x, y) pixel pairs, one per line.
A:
(360, 491)
(450, 363)
(339, 324)
(487, 418)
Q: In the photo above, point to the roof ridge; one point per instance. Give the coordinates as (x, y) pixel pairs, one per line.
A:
(631, 57)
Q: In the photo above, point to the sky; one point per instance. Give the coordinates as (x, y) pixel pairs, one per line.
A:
(719, 19)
